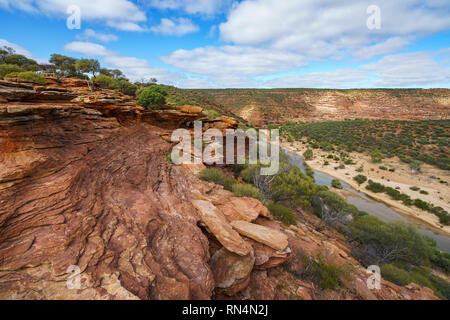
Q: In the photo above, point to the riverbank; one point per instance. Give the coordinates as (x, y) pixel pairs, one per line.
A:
(401, 179)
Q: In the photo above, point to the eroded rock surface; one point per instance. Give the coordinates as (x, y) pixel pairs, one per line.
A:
(85, 182)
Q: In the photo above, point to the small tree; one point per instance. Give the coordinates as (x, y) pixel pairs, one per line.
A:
(415, 165)
(360, 179)
(64, 66)
(308, 154)
(152, 97)
(88, 66)
(376, 156)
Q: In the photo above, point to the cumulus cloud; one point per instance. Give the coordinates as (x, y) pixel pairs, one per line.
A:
(87, 48)
(208, 7)
(176, 27)
(234, 60)
(92, 34)
(392, 71)
(126, 26)
(134, 68)
(343, 78)
(117, 12)
(333, 28)
(411, 69)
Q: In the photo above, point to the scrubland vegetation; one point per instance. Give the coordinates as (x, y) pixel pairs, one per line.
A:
(413, 142)
(392, 245)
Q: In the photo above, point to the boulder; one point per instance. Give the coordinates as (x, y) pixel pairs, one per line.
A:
(217, 224)
(231, 271)
(272, 238)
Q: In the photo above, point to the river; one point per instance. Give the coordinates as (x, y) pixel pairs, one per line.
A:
(365, 203)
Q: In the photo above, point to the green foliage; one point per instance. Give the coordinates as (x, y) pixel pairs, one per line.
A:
(393, 241)
(415, 165)
(376, 156)
(29, 76)
(425, 141)
(360, 179)
(375, 187)
(396, 275)
(21, 61)
(122, 85)
(282, 213)
(414, 188)
(308, 154)
(152, 97)
(332, 208)
(88, 66)
(6, 69)
(420, 276)
(336, 184)
(326, 274)
(218, 177)
(444, 216)
(245, 190)
(212, 114)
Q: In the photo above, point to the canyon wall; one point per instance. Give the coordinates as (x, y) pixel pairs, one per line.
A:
(264, 106)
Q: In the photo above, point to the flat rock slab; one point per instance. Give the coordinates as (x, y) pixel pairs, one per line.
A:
(270, 237)
(219, 226)
(249, 208)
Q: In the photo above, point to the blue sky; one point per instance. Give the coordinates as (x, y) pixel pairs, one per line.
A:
(247, 43)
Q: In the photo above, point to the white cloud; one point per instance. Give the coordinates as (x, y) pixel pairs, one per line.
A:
(177, 27)
(234, 60)
(116, 11)
(208, 7)
(332, 28)
(416, 69)
(343, 78)
(410, 69)
(126, 26)
(87, 48)
(133, 68)
(219, 81)
(92, 34)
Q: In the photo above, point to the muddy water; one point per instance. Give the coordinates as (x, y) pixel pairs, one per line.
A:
(373, 207)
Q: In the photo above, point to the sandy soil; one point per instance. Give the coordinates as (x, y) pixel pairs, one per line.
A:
(402, 179)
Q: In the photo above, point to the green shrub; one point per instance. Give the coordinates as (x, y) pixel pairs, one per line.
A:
(360, 179)
(423, 192)
(414, 188)
(218, 177)
(29, 76)
(9, 68)
(211, 113)
(245, 190)
(396, 275)
(282, 213)
(106, 82)
(152, 97)
(376, 156)
(325, 274)
(375, 187)
(383, 167)
(336, 184)
(308, 154)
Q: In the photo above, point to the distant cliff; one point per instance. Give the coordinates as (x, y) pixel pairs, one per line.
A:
(261, 106)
